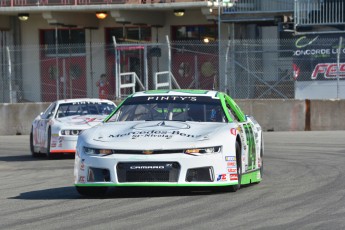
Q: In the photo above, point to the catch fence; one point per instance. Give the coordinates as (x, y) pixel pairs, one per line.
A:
(247, 69)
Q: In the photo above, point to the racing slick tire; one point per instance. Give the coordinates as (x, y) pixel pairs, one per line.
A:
(92, 191)
(32, 149)
(262, 160)
(236, 187)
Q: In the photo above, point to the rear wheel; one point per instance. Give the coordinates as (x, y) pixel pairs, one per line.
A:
(262, 159)
(236, 187)
(92, 191)
(32, 148)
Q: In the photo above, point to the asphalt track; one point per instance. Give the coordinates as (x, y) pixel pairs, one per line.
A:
(303, 188)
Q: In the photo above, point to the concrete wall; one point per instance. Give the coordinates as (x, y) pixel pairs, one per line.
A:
(16, 119)
(276, 115)
(327, 115)
(272, 115)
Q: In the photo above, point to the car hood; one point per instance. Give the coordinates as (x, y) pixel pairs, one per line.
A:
(81, 120)
(156, 134)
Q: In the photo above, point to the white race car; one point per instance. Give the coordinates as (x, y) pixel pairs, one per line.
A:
(56, 130)
(170, 138)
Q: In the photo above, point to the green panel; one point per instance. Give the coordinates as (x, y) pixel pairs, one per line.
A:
(223, 102)
(251, 177)
(236, 109)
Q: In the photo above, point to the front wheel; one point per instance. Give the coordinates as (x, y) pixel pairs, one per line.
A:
(32, 148)
(92, 191)
(236, 187)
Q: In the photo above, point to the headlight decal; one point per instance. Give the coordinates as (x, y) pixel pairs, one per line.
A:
(191, 151)
(70, 132)
(203, 151)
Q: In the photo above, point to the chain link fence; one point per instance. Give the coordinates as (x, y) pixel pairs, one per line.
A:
(247, 69)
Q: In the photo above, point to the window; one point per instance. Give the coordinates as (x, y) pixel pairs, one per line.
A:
(198, 32)
(49, 112)
(70, 42)
(128, 34)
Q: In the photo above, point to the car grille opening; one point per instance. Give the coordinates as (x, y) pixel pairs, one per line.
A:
(204, 174)
(148, 171)
(98, 175)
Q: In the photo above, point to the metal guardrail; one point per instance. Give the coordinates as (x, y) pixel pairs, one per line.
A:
(16, 3)
(259, 6)
(129, 82)
(319, 12)
(167, 83)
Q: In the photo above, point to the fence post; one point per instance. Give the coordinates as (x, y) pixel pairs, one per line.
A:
(338, 64)
(117, 73)
(169, 56)
(146, 69)
(9, 74)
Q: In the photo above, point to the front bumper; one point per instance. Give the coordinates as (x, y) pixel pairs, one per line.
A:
(63, 144)
(153, 170)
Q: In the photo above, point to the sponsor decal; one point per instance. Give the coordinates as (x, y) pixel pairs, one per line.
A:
(172, 98)
(60, 140)
(304, 41)
(222, 177)
(233, 131)
(139, 167)
(233, 177)
(231, 164)
(82, 165)
(82, 179)
(155, 134)
(232, 170)
(251, 146)
(328, 70)
(230, 158)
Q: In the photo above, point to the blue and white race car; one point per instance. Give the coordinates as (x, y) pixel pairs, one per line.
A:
(171, 138)
(56, 130)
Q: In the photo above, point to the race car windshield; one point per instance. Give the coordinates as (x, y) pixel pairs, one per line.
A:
(84, 108)
(170, 108)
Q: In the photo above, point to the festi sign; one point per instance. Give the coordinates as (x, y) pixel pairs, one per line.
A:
(316, 69)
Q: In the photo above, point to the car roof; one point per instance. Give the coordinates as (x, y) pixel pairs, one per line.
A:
(83, 99)
(179, 92)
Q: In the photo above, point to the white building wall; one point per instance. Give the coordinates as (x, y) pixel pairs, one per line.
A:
(31, 58)
(31, 65)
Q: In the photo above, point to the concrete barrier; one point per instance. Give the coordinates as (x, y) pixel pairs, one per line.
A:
(16, 119)
(275, 114)
(327, 115)
(272, 115)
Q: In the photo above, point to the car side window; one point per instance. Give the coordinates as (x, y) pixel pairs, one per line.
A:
(50, 111)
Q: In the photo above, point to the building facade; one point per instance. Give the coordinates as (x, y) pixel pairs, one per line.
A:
(53, 49)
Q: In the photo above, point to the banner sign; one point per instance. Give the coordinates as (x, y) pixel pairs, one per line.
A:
(315, 58)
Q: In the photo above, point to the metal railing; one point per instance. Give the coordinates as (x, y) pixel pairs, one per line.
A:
(16, 3)
(319, 12)
(259, 6)
(129, 81)
(165, 80)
